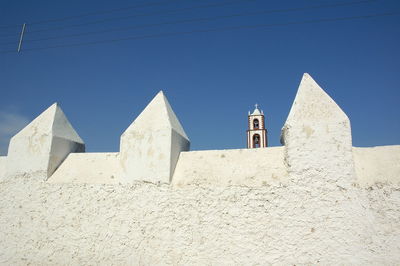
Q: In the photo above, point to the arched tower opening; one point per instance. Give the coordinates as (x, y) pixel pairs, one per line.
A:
(256, 141)
(256, 124)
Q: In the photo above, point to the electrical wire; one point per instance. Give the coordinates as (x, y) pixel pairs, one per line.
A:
(93, 13)
(132, 16)
(104, 12)
(145, 14)
(137, 15)
(210, 30)
(196, 20)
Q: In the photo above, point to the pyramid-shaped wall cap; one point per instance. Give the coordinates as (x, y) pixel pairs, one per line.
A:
(44, 143)
(151, 145)
(312, 106)
(317, 137)
(313, 103)
(158, 114)
(53, 121)
(42, 122)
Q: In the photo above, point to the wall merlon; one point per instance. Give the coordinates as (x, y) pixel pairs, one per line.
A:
(317, 134)
(151, 145)
(43, 144)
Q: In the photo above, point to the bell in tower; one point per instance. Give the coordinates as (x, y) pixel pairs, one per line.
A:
(256, 132)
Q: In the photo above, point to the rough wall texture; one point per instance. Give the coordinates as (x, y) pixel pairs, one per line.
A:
(247, 167)
(146, 224)
(3, 165)
(298, 204)
(377, 165)
(318, 153)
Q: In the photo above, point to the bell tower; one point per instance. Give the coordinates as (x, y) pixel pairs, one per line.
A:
(256, 132)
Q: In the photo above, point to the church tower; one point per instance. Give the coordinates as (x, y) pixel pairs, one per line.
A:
(256, 133)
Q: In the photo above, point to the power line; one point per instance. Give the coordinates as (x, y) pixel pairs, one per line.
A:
(211, 30)
(93, 13)
(104, 12)
(145, 14)
(198, 20)
(137, 15)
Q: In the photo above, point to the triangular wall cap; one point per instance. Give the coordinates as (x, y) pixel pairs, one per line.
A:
(157, 114)
(53, 121)
(150, 147)
(42, 121)
(313, 103)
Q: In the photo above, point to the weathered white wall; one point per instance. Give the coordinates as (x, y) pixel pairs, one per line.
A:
(91, 168)
(384, 202)
(147, 224)
(377, 165)
(298, 204)
(2, 166)
(257, 167)
(247, 167)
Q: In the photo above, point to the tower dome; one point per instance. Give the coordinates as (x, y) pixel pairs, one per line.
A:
(256, 110)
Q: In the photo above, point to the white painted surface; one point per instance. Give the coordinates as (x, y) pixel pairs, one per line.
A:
(3, 166)
(151, 145)
(243, 167)
(147, 224)
(377, 165)
(224, 214)
(91, 168)
(43, 144)
(318, 153)
(317, 133)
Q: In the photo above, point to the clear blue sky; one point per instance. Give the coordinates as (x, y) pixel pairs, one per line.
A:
(212, 79)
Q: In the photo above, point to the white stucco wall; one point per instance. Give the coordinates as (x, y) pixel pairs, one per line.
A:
(2, 166)
(247, 167)
(377, 165)
(318, 153)
(44, 223)
(91, 168)
(251, 167)
(298, 204)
